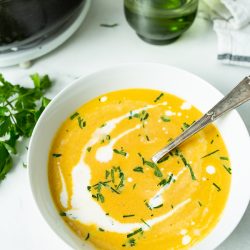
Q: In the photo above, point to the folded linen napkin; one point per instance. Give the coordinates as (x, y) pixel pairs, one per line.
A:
(231, 20)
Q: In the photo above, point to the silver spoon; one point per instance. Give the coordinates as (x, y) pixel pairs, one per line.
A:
(239, 95)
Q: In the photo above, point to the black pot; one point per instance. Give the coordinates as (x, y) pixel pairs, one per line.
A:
(24, 21)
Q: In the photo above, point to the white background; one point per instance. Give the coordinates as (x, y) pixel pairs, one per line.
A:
(91, 48)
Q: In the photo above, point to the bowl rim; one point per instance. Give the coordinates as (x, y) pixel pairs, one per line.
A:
(118, 67)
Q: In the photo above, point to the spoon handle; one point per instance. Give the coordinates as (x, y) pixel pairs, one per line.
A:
(239, 95)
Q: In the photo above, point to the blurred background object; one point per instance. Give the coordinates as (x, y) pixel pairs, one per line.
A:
(231, 22)
(160, 21)
(31, 28)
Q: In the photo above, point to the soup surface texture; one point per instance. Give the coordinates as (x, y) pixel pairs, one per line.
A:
(113, 196)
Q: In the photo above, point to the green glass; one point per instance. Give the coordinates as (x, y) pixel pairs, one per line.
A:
(160, 21)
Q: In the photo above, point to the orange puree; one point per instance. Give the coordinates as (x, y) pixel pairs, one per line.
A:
(193, 181)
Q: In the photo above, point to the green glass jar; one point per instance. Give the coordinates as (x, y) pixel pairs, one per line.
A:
(160, 21)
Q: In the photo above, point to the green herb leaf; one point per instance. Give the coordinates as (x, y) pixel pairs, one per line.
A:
(165, 119)
(210, 154)
(120, 152)
(159, 97)
(138, 169)
(20, 109)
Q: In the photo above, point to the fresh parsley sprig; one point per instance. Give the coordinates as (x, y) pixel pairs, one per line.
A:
(20, 109)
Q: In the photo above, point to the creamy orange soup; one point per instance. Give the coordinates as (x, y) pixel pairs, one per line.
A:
(110, 193)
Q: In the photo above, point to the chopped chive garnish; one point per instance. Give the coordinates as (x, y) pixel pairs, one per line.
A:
(128, 215)
(74, 115)
(188, 166)
(89, 149)
(120, 152)
(165, 119)
(134, 186)
(138, 169)
(81, 122)
(87, 237)
(147, 138)
(56, 155)
(108, 137)
(145, 223)
(150, 164)
(24, 165)
(218, 188)
(158, 172)
(212, 142)
(158, 206)
(229, 170)
(165, 158)
(103, 125)
(101, 229)
(158, 97)
(210, 154)
(63, 214)
(185, 126)
(172, 206)
(200, 204)
(147, 205)
(114, 190)
(135, 232)
(164, 182)
(224, 158)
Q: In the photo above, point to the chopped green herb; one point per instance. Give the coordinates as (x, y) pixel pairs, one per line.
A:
(200, 204)
(165, 158)
(185, 126)
(128, 215)
(210, 154)
(103, 125)
(101, 229)
(147, 205)
(217, 187)
(81, 122)
(150, 164)
(145, 223)
(108, 137)
(212, 142)
(87, 237)
(158, 206)
(224, 158)
(89, 149)
(134, 186)
(63, 214)
(164, 182)
(165, 119)
(56, 155)
(107, 173)
(147, 138)
(132, 242)
(138, 169)
(24, 165)
(135, 232)
(74, 115)
(121, 152)
(188, 166)
(159, 97)
(158, 172)
(172, 206)
(105, 25)
(229, 170)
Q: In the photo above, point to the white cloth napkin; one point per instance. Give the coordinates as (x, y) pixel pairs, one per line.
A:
(231, 20)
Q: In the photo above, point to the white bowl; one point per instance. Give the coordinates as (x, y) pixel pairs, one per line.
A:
(153, 76)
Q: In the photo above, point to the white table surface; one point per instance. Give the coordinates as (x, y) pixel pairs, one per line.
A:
(91, 48)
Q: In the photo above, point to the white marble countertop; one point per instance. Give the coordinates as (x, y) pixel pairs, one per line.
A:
(91, 48)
